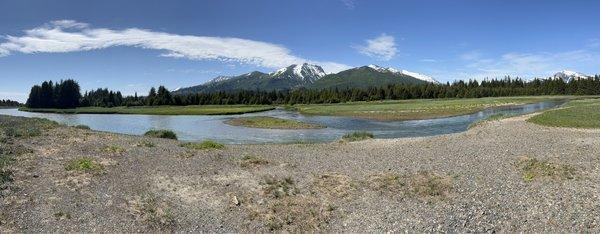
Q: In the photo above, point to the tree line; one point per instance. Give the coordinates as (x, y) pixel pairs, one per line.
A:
(63, 94)
(66, 93)
(9, 102)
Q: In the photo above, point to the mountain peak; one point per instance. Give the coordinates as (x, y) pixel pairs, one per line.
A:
(306, 72)
(567, 75)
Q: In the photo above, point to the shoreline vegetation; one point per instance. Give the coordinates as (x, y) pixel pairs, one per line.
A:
(271, 123)
(413, 109)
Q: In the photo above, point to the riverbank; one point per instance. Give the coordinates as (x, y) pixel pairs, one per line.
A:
(159, 110)
(417, 109)
(501, 176)
(414, 109)
(267, 122)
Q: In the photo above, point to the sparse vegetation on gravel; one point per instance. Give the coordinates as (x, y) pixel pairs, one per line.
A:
(253, 161)
(167, 134)
(84, 165)
(423, 184)
(113, 149)
(203, 145)
(81, 126)
(357, 136)
(534, 169)
(145, 143)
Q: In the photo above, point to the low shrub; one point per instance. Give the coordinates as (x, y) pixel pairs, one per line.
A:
(357, 136)
(84, 127)
(167, 134)
(83, 165)
(202, 145)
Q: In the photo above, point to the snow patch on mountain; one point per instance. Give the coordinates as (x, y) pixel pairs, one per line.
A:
(306, 72)
(567, 75)
(218, 79)
(403, 72)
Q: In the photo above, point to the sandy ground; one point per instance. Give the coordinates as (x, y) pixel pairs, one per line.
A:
(465, 182)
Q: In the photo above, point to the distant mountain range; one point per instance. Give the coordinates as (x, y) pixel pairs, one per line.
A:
(309, 76)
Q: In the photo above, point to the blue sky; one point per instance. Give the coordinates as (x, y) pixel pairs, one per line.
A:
(133, 45)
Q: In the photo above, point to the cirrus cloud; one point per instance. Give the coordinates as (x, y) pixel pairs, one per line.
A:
(69, 36)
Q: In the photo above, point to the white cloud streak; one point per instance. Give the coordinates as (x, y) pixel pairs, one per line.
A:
(70, 36)
(382, 47)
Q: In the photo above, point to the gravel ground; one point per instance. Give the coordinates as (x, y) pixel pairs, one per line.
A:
(465, 182)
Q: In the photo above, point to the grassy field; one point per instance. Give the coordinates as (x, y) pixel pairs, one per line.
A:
(576, 114)
(160, 110)
(418, 109)
(271, 123)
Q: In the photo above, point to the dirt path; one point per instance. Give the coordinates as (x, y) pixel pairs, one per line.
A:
(507, 175)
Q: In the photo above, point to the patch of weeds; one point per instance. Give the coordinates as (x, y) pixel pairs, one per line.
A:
(253, 161)
(297, 214)
(145, 143)
(204, 145)
(5, 176)
(167, 134)
(154, 212)
(429, 184)
(279, 187)
(62, 215)
(387, 182)
(423, 184)
(81, 126)
(357, 136)
(187, 154)
(84, 165)
(532, 169)
(20, 127)
(113, 149)
(334, 185)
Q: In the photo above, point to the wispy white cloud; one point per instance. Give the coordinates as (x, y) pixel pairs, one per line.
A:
(470, 55)
(382, 47)
(350, 4)
(70, 36)
(427, 60)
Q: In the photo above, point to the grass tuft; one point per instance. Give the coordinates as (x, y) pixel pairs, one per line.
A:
(145, 143)
(533, 169)
(204, 145)
(357, 136)
(84, 165)
(423, 184)
(279, 187)
(81, 126)
(167, 134)
(253, 161)
(113, 149)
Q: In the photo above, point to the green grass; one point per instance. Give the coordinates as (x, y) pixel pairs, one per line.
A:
(167, 134)
(204, 145)
(357, 136)
(84, 165)
(271, 123)
(576, 114)
(160, 110)
(113, 149)
(533, 169)
(145, 143)
(418, 108)
(21, 127)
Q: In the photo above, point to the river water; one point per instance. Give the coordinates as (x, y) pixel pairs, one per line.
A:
(196, 128)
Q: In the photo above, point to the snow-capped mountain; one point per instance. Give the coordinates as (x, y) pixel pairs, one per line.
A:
(404, 72)
(567, 75)
(308, 73)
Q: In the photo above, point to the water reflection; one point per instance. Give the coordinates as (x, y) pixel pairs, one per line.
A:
(195, 128)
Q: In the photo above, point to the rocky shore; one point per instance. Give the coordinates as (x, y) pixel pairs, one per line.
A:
(501, 176)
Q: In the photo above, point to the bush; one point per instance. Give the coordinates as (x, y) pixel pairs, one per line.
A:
(203, 145)
(357, 136)
(167, 134)
(84, 127)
